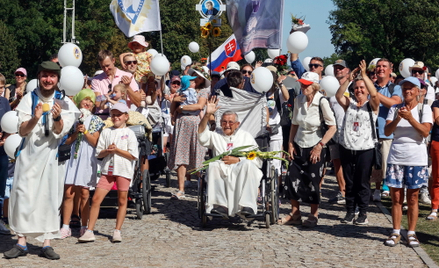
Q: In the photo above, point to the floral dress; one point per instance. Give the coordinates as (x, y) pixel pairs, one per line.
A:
(143, 69)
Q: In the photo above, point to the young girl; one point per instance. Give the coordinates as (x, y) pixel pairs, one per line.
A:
(82, 167)
(138, 47)
(118, 147)
(118, 94)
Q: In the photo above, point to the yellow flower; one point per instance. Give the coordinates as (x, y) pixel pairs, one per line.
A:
(251, 155)
(208, 26)
(205, 33)
(216, 32)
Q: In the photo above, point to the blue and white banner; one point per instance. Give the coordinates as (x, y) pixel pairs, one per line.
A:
(136, 16)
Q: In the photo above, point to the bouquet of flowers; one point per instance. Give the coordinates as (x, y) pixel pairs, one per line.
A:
(280, 62)
(298, 21)
(84, 114)
(239, 152)
(299, 24)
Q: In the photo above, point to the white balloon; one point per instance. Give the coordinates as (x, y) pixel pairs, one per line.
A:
(185, 60)
(297, 42)
(31, 85)
(329, 70)
(404, 67)
(159, 65)
(261, 79)
(433, 80)
(330, 84)
(437, 74)
(194, 47)
(11, 145)
(273, 53)
(372, 64)
(70, 55)
(10, 122)
(71, 81)
(306, 62)
(250, 57)
(153, 52)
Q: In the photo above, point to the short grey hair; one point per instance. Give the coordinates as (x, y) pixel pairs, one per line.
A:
(228, 112)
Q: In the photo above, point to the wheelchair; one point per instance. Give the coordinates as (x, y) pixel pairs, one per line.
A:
(268, 200)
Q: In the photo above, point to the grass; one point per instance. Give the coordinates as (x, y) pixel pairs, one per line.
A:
(426, 231)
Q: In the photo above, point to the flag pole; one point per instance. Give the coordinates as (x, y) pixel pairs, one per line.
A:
(161, 41)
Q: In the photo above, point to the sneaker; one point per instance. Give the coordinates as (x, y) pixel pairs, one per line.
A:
(385, 194)
(4, 229)
(88, 236)
(117, 237)
(349, 218)
(377, 195)
(361, 220)
(357, 211)
(82, 231)
(338, 199)
(65, 233)
(15, 252)
(424, 198)
(49, 253)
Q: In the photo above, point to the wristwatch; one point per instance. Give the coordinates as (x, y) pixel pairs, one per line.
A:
(57, 119)
(321, 143)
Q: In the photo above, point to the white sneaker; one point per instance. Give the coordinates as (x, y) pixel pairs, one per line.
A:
(424, 198)
(65, 232)
(117, 237)
(377, 196)
(87, 237)
(82, 231)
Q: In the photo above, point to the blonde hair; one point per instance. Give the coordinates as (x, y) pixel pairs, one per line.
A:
(316, 86)
(2, 79)
(123, 89)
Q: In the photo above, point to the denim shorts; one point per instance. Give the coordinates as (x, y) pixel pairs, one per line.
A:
(413, 177)
(8, 188)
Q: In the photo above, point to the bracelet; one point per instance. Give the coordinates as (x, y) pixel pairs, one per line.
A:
(57, 119)
(321, 143)
(85, 132)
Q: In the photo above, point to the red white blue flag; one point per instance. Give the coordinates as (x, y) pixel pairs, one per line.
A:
(227, 52)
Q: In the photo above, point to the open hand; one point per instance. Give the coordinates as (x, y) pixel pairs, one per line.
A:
(212, 105)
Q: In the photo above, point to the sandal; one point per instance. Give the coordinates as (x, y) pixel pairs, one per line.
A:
(178, 196)
(412, 241)
(432, 216)
(392, 238)
(293, 220)
(310, 222)
(75, 221)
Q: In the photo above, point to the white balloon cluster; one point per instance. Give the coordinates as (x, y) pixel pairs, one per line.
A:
(72, 79)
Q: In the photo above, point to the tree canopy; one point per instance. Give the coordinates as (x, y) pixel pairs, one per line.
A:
(393, 29)
(31, 31)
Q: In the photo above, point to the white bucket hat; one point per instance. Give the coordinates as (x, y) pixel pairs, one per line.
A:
(140, 39)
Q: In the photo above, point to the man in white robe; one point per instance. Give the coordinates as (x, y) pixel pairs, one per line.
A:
(232, 181)
(37, 192)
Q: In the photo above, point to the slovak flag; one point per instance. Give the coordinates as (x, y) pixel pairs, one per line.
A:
(227, 52)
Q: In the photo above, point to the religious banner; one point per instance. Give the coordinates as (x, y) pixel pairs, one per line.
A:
(227, 52)
(136, 16)
(256, 23)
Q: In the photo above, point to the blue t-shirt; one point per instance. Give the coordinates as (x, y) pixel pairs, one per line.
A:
(382, 114)
(435, 130)
(298, 67)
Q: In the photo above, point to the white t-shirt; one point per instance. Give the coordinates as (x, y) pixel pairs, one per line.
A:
(408, 146)
(274, 114)
(339, 117)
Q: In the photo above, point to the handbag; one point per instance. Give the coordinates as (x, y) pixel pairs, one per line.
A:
(377, 155)
(64, 152)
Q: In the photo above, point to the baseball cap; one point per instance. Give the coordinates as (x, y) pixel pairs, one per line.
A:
(121, 107)
(185, 82)
(233, 65)
(309, 78)
(21, 70)
(411, 79)
(340, 62)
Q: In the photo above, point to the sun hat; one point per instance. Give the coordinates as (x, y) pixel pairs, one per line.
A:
(140, 39)
(233, 65)
(272, 68)
(21, 70)
(121, 107)
(185, 82)
(200, 72)
(412, 80)
(418, 65)
(84, 93)
(309, 78)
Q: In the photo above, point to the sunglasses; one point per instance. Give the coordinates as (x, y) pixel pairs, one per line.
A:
(176, 83)
(20, 75)
(372, 73)
(313, 65)
(418, 71)
(131, 62)
(246, 72)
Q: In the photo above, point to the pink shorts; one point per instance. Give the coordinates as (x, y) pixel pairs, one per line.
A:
(106, 182)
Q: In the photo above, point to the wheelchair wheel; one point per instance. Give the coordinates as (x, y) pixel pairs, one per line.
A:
(168, 178)
(202, 202)
(267, 219)
(139, 208)
(274, 198)
(146, 192)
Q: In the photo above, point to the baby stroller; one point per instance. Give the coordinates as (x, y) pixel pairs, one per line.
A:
(251, 110)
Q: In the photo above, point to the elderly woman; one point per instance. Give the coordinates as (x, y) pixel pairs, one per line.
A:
(306, 148)
(357, 142)
(186, 152)
(408, 159)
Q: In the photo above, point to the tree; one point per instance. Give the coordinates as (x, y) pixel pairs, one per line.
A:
(9, 60)
(394, 29)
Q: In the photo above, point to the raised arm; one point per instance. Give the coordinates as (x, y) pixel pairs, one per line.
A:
(211, 108)
(374, 99)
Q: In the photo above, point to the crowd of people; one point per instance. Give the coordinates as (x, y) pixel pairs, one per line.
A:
(373, 113)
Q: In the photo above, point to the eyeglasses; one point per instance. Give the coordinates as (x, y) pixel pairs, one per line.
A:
(227, 123)
(313, 65)
(131, 62)
(418, 71)
(20, 75)
(246, 72)
(176, 83)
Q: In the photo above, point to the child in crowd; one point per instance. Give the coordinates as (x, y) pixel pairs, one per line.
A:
(81, 169)
(118, 148)
(138, 46)
(188, 91)
(118, 94)
(175, 85)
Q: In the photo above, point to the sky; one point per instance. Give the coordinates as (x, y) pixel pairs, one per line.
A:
(316, 13)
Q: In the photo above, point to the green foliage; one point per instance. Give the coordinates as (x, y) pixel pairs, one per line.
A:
(9, 60)
(331, 59)
(394, 29)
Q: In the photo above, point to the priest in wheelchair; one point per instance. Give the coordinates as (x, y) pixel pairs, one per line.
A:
(232, 182)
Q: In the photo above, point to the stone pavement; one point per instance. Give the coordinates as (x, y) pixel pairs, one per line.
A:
(171, 237)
